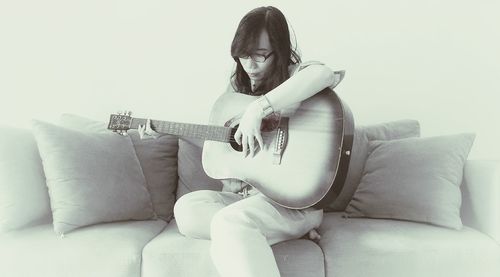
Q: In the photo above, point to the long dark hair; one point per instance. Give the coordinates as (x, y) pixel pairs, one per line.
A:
(245, 42)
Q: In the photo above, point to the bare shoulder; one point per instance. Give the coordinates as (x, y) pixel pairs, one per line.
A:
(294, 68)
(229, 88)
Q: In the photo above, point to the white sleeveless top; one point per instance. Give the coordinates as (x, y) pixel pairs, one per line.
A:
(337, 75)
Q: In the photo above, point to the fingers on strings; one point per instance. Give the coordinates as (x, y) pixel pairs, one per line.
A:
(250, 143)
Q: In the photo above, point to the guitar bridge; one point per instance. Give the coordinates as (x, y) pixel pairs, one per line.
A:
(281, 140)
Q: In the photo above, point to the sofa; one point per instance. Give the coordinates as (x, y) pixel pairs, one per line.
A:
(37, 239)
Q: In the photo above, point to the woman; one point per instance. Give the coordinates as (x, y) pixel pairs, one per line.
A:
(242, 223)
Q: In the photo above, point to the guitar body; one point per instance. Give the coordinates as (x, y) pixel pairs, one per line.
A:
(315, 151)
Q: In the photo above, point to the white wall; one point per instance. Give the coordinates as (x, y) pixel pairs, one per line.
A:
(435, 61)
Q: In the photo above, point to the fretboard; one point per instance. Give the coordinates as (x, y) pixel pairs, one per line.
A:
(206, 132)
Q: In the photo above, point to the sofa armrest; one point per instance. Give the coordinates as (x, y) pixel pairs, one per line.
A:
(481, 197)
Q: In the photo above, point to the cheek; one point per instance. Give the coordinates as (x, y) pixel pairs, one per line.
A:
(245, 64)
(265, 68)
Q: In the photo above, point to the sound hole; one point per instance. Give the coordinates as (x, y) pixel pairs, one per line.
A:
(232, 142)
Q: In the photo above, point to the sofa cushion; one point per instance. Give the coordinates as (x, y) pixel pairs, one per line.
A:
(104, 250)
(172, 254)
(158, 159)
(414, 179)
(362, 135)
(92, 178)
(24, 199)
(377, 247)
(192, 176)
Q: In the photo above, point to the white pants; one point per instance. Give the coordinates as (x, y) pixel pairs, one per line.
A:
(242, 229)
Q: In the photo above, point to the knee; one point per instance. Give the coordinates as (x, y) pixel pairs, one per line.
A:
(190, 215)
(231, 222)
(219, 224)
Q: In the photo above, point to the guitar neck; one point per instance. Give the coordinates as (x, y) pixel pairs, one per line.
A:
(205, 132)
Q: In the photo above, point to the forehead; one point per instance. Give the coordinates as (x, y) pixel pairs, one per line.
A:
(263, 44)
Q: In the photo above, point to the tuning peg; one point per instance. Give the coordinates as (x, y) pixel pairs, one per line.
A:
(129, 113)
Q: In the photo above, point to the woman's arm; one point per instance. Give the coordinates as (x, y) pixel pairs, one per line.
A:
(298, 87)
(301, 86)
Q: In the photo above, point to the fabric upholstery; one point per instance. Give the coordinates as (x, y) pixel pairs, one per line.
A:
(24, 200)
(172, 254)
(362, 135)
(158, 159)
(92, 178)
(192, 176)
(415, 179)
(359, 247)
(481, 197)
(104, 250)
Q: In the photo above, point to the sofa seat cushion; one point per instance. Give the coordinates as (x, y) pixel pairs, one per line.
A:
(111, 249)
(382, 247)
(172, 254)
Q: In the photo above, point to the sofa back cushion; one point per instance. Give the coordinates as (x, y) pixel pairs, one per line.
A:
(415, 179)
(92, 178)
(362, 136)
(192, 176)
(158, 159)
(24, 200)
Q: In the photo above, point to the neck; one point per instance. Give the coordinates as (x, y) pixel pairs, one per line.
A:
(254, 85)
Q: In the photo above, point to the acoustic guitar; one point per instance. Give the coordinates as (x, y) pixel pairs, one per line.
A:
(306, 151)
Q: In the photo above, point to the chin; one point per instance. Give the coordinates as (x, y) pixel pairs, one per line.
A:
(256, 78)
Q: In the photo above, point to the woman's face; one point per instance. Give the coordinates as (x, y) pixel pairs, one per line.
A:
(257, 70)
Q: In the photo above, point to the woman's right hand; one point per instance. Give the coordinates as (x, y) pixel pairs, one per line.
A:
(146, 132)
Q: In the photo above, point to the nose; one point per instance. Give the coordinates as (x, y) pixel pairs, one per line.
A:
(248, 63)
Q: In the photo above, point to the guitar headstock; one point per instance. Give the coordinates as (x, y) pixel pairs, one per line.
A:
(120, 122)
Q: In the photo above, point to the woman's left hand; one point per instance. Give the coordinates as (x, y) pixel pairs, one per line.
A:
(249, 129)
(146, 132)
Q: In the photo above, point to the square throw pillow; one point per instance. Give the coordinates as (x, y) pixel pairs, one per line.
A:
(192, 176)
(362, 136)
(24, 200)
(414, 179)
(158, 159)
(91, 178)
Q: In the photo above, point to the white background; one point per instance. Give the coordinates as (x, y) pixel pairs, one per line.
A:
(434, 61)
